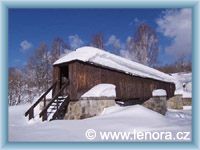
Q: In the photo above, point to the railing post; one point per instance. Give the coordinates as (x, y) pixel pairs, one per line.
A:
(44, 117)
(31, 114)
(44, 102)
(57, 104)
(54, 89)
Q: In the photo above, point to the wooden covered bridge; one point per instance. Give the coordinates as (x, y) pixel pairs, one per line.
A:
(79, 71)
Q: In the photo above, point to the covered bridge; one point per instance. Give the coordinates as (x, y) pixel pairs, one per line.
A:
(77, 72)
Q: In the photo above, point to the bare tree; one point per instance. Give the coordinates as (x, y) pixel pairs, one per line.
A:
(58, 47)
(97, 41)
(144, 45)
(182, 64)
(40, 65)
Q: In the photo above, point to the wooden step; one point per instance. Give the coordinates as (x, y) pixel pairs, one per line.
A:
(57, 102)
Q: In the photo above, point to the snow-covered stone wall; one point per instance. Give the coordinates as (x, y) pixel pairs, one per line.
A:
(178, 101)
(175, 102)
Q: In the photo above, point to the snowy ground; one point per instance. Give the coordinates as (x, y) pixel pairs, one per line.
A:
(183, 83)
(114, 118)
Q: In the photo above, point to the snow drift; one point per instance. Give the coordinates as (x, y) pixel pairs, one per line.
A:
(114, 118)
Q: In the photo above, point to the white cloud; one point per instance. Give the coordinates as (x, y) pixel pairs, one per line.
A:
(177, 25)
(136, 22)
(67, 51)
(128, 55)
(75, 41)
(124, 52)
(25, 45)
(128, 39)
(114, 41)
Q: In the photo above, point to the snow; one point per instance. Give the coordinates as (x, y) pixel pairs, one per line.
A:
(184, 114)
(115, 118)
(187, 107)
(104, 58)
(49, 95)
(183, 82)
(183, 93)
(187, 95)
(100, 90)
(159, 92)
(36, 111)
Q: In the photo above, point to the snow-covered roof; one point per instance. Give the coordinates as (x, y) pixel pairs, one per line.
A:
(104, 58)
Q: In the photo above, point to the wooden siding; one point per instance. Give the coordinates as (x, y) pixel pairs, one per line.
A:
(56, 77)
(83, 76)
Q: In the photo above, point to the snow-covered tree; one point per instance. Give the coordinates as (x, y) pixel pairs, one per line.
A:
(15, 86)
(40, 66)
(26, 84)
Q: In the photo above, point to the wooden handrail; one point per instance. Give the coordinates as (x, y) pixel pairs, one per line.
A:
(43, 113)
(30, 111)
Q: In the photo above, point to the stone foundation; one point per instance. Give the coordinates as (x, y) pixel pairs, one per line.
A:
(175, 102)
(187, 101)
(86, 108)
(157, 103)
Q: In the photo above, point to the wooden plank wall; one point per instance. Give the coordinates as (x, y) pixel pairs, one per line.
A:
(56, 77)
(84, 76)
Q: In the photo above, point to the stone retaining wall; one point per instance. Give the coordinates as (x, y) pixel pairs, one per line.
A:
(175, 102)
(157, 103)
(87, 108)
(187, 101)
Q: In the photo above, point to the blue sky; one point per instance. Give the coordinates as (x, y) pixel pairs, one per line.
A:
(29, 27)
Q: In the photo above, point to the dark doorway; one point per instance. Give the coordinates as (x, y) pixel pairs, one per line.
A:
(64, 77)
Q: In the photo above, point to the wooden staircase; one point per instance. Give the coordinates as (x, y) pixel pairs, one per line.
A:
(56, 107)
